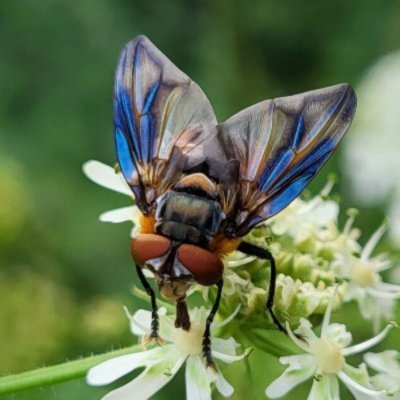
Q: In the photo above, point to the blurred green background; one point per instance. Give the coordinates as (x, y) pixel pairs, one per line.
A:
(63, 274)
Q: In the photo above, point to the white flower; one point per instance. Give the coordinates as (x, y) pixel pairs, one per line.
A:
(302, 219)
(387, 364)
(107, 177)
(309, 237)
(161, 363)
(371, 155)
(376, 298)
(295, 298)
(324, 359)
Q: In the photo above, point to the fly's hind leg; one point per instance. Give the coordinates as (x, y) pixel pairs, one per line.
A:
(265, 254)
(207, 331)
(154, 314)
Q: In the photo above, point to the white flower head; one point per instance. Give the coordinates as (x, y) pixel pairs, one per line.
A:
(161, 363)
(294, 298)
(376, 298)
(302, 218)
(308, 238)
(387, 364)
(108, 177)
(324, 359)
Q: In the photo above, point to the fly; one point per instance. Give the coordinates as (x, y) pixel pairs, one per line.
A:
(200, 185)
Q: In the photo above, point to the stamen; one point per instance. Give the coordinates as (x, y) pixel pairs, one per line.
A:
(373, 241)
(352, 213)
(328, 312)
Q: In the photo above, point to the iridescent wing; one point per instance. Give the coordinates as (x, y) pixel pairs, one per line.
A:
(281, 144)
(161, 118)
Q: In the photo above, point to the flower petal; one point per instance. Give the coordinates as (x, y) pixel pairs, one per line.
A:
(327, 388)
(301, 367)
(359, 391)
(226, 321)
(373, 241)
(223, 386)
(118, 215)
(237, 262)
(305, 331)
(140, 323)
(111, 370)
(299, 343)
(360, 347)
(227, 358)
(226, 346)
(387, 361)
(385, 290)
(105, 176)
(167, 326)
(387, 382)
(198, 383)
(148, 274)
(150, 381)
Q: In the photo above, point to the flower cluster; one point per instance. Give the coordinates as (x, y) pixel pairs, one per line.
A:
(321, 267)
(324, 359)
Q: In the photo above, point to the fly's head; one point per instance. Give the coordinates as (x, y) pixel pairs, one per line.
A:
(176, 266)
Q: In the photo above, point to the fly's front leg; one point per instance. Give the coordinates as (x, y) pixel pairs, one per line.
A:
(182, 316)
(265, 254)
(207, 331)
(154, 314)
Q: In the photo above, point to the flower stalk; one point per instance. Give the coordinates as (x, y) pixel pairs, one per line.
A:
(57, 373)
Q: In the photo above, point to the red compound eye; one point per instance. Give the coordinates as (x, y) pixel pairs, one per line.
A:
(205, 266)
(145, 247)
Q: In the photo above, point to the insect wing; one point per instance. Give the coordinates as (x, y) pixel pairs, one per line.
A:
(161, 118)
(281, 144)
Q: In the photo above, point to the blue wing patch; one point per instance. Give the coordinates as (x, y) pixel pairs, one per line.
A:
(155, 106)
(281, 145)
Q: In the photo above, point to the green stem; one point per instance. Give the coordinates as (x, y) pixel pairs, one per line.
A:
(57, 373)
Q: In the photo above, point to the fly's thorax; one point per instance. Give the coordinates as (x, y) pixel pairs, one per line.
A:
(191, 212)
(200, 183)
(187, 218)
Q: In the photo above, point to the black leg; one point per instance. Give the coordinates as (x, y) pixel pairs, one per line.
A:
(265, 254)
(207, 333)
(182, 316)
(154, 315)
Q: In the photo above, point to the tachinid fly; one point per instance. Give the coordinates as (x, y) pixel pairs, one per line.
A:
(201, 186)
